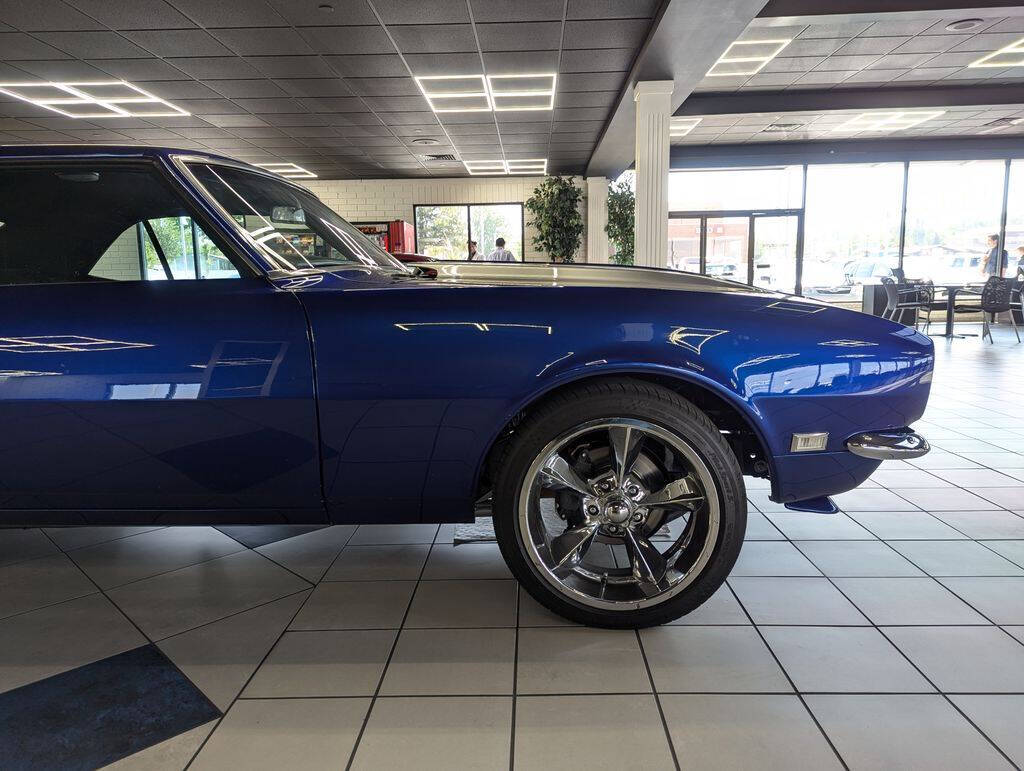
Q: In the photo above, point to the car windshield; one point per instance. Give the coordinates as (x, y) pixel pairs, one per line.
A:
(293, 227)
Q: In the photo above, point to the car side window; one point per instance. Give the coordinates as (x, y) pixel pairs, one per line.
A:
(154, 248)
(103, 223)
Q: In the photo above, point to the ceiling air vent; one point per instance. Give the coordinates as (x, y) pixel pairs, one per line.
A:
(442, 157)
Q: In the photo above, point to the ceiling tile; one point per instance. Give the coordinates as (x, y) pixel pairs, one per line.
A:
(40, 16)
(216, 68)
(283, 41)
(308, 13)
(586, 99)
(314, 86)
(397, 103)
(252, 89)
(367, 65)
(984, 42)
(814, 47)
(228, 13)
(62, 69)
(138, 70)
(507, 62)
(261, 106)
(840, 29)
(594, 60)
(872, 45)
(521, 10)
(16, 46)
(347, 40)
(792, 64)
(90, 45)
(590, 81)
(611, 9)
(626, 33)
(444, 63)
(521, 36)
(426, 38)
(134, 14)
(333, 103)
(291, 66)
(900, 61)
(384, 86)
(930, 44)
(414, 118)
(188, 42)
(891, 27)
(226, 121)
(424, 11)
(837, 63)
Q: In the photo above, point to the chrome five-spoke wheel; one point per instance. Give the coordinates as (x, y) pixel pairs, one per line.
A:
(619, 513)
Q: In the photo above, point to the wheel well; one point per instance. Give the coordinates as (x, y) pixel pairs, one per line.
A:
(750, 452)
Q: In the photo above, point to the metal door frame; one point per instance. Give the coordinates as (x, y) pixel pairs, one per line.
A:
(751, 214)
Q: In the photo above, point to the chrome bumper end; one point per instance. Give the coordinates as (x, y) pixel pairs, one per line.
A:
(888, 445)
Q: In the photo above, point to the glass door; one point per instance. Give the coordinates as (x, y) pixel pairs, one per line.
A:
(727, 247)
(684, 244)
(775, 248)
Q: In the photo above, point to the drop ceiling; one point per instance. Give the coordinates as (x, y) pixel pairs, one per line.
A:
(330, 89)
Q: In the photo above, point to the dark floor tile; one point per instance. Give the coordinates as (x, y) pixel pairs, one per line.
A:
(95, 714)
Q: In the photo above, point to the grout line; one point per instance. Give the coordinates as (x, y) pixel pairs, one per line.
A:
(657, 700)
(270, 650)
(387, 661)
(789, 679)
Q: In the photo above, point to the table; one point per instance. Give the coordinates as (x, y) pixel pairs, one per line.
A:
(952, 290)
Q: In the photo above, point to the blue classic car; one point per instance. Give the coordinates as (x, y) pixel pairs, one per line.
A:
(188, 339)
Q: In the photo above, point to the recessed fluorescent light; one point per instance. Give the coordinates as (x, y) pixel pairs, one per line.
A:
(289, 170)
(98, 99)
(527, 165)
(522, 92)
(680, 127)
(513, 166)
(1007, 56)
(887, 121)
(456, 93)
(486, 167)
(747, 57)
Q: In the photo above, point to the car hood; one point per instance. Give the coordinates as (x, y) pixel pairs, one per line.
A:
(550, 274)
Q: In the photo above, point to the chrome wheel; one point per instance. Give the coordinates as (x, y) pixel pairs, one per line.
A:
(619, 514)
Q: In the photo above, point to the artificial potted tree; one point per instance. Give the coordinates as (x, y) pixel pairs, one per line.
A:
(555, 206)
(621, 226)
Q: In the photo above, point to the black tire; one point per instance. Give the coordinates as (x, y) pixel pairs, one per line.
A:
(620, 398)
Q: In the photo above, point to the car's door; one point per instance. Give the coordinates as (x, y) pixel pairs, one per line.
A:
(147, 372)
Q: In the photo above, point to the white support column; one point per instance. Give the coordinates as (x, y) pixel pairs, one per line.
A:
(598, 249)
(653, 100)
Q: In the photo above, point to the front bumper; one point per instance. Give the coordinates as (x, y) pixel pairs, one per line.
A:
(888, 445)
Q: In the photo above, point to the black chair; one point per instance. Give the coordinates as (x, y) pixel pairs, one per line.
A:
(899, 275)
(901, 297)
(997, 297)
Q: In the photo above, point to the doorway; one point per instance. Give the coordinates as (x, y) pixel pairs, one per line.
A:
(758, 248)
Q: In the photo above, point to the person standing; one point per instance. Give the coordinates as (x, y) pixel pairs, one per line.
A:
(500, 253)
(995, 262)
(472, 251)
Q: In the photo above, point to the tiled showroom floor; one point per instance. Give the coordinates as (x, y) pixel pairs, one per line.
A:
(890, 635)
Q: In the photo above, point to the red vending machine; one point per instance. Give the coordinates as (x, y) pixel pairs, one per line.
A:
(397, 236)
(401, 237)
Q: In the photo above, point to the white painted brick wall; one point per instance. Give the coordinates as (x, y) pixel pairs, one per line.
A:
(121, 260)
(393, 199)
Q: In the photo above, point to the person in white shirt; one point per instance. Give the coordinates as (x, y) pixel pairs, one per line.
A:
(500, 253)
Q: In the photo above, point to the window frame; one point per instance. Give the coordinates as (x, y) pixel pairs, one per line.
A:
(469, 222)
(182, 164)
(213, 229)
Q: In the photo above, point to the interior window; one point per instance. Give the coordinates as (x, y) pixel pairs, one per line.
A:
(79, 224)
